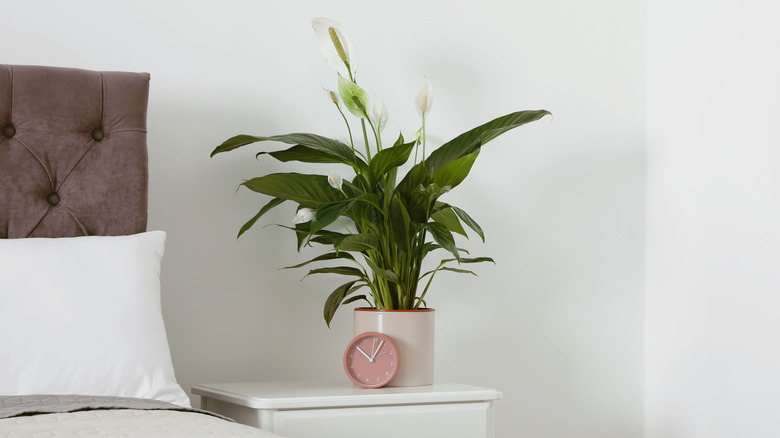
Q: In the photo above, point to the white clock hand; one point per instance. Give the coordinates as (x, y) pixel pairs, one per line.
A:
(370, 359)
(377, 350)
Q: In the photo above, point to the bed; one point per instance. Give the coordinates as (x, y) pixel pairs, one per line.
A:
(83, 348)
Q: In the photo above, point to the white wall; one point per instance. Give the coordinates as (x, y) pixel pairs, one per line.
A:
(557, 324)
(713, 259)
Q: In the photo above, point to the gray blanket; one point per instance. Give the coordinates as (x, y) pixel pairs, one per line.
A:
(18, 405)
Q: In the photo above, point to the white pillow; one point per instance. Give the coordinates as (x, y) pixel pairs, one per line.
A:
(82, 315)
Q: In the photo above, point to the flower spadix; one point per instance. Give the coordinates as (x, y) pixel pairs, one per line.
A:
(333, 97)
(335, 180)
(378, 115)
(424, 98)
(335, 45)
(303, 215)
(354, 97)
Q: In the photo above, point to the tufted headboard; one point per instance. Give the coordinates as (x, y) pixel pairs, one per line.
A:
(73, 157)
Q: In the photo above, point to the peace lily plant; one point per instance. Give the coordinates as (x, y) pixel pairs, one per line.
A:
(380, 224)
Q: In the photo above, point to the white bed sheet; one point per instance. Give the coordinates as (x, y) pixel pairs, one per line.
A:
(128, 423)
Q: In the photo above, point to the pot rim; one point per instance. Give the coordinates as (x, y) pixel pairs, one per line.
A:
(371, 309)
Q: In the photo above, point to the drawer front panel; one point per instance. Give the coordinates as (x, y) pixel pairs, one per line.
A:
(457, 420)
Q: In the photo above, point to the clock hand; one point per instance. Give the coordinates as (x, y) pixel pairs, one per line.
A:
(370, 359)
(377, 350)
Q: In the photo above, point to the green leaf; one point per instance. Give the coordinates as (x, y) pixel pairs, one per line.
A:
(401, 222)
(449, 219)
(324, 257)
(469, 221)
(476, 260)
(430, 246)
(308, 190)
(301, 153)
(400, 140)
(383, 273)
(235, 143)
(422, 203)
(410, 184)
(339, 270)
(359, 185)
(454, 172)
(354, 289)
(447, 268)
(468, 260)
(326, 237)
(323, 236)
(459, 271)
(442, 264)
(274, 202)
(306, 154)
(358, 287)
(416, 202)
(443, 237)
(334, 301)
(356, 298)
(326, 214)
(358, 242)
(387, 159)
(371, 199)
(470, 141)
(318, 146)
(433, 191)
(301, 233)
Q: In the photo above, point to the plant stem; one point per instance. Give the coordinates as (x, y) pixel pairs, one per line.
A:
(365, 138)
(362, 120)
(423, 136)
(377, 137)
(351, 141)
(418, 249)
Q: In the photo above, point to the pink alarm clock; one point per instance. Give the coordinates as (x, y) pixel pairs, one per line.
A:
(371, 360)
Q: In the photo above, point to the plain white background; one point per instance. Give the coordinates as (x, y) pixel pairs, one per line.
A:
(674, 99)
(713, 265)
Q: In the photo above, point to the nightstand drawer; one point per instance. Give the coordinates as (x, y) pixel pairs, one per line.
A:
(461, 420)
(324, 410)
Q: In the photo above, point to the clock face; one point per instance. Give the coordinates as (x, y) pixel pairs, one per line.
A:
(371, 360)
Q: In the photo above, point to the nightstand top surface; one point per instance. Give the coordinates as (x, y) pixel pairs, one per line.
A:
(309, 395)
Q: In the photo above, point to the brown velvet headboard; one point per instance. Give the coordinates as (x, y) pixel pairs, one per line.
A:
(73, 157)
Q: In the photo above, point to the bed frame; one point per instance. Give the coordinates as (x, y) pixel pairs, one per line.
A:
(73, 157)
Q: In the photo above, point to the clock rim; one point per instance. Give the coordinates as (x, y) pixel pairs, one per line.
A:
(387, 339)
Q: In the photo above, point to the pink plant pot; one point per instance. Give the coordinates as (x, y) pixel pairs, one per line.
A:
(412, 332)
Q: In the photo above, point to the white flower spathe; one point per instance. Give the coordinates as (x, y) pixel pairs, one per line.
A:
(335, 180)
(417, 136)
(333, 97)
(378, 114)
(354, 97)
(335, 45)
(303, 215)
(424, 98)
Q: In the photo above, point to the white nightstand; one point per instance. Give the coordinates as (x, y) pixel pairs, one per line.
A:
(307, 409)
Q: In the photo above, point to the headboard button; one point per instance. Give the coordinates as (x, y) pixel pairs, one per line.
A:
(9, 131)
(97, 134)
(53, 198)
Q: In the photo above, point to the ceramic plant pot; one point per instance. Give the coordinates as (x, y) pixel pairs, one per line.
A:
(412, 332)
